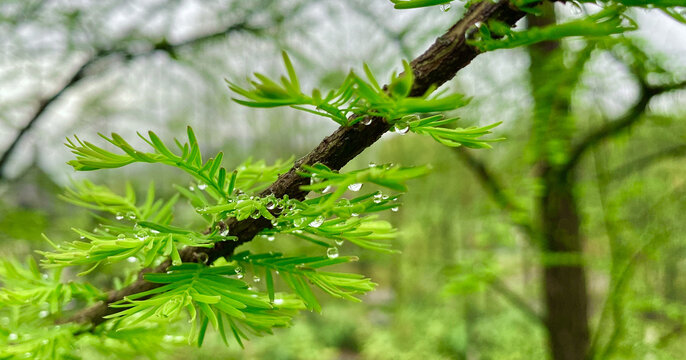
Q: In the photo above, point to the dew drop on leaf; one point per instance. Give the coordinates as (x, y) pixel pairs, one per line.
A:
(131, 215)
(394, 209)
(270, 205)
(332, 252)
(317, 222)
(119, 216)
(121, 236)
(338, 242)
(202, 186)
(367, 120)
(355, 187)
(256, 279)
(401, 128)
(271, 238)
(299, 221)
(445, 7)
(132, 259)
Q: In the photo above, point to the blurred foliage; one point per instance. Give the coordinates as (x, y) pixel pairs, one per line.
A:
(449, 295)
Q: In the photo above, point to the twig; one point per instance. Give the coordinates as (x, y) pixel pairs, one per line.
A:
(614, 127)
(99, 56)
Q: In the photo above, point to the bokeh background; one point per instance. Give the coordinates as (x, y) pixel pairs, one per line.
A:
(468, 277)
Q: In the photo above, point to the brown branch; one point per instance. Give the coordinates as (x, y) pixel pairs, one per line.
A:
(640, 163)
(438, 64)
(612, 128)
(496, 190)
(99, 56)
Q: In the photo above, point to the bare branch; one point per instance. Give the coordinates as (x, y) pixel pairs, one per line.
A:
(100, 55)
(612, 128)
(518, 214)
(517, 301)
(438, 64)
(630, 167)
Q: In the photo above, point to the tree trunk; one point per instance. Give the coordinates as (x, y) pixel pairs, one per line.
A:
(564, 284)
(564, 280)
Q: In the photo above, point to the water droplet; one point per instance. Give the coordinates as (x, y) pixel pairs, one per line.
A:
(327, 189)
(119, 216)
(355, 187)
(338, 242)
(224, 232)
(202, 186)
(377, 198)
(44, 276)
(371, 165)
(82, 237)
(473, 32)
(239, 272)
(13, 337)
(394, 209)
(43, 314)
(256, 279)
(132, 259)
(271, 238)
(576, 9)
(142, 235)
(154, 231)
(317, 222)
(401, 127)
(354, 214)
(131, 215)
(298, 231)
(275, 222)
(270, 205)
(299, 222)
(191, 188)
(278, 301)
(255, 214)
(332, 252)
(121, 236)
(445, 7)
(367, 120)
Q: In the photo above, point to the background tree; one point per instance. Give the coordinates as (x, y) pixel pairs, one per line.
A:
(409, 303)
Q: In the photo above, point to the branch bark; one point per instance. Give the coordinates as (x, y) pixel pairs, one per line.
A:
(98, 56)
(438, 64)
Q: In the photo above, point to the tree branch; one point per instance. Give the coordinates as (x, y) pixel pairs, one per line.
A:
(100, 55)
(438, 64)
(496, 190)
(632, 166)
(517, 301)
(614, 127)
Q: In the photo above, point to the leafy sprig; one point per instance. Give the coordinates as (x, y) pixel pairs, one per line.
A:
(413, 4)
(356, 99)
(210, 296)
(297, 271)
(497, 35)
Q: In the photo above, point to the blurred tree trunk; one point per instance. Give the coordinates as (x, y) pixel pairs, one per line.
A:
(564, 283)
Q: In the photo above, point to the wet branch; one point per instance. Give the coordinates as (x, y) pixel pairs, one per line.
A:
(438, 64)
